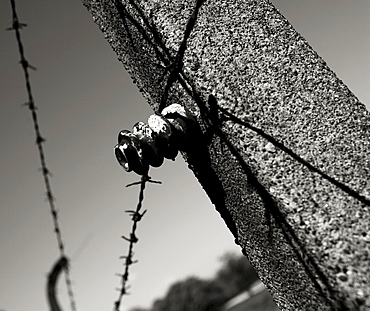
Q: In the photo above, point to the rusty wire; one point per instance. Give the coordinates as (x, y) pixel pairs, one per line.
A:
(16, 26)
(136, 217)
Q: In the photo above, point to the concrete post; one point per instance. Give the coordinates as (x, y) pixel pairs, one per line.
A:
(285, 153)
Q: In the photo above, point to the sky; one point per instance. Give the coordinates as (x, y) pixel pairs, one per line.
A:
(84, 98)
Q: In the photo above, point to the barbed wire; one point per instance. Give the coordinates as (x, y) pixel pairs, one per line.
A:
(16, 26)
(136, 217)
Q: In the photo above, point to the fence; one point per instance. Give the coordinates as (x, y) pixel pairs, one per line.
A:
(284, 155)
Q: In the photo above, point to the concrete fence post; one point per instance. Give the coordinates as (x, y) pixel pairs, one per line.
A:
(285, 150)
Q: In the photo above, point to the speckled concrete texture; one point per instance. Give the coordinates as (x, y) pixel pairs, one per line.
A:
(308, 239)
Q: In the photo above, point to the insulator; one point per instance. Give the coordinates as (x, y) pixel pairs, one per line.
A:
(129, 153)
(148, 139)
(121, 158)
(122, 134)
(164, 140)
(183, 123)
(163, 136)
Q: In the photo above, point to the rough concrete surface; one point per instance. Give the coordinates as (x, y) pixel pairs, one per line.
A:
(308, 239)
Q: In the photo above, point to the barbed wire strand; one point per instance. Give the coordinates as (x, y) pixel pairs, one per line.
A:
(136, 217)
(16, 26)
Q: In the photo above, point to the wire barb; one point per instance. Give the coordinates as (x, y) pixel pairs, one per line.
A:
(16, 26)
(135, 215)
(26, 64)
(147, 179)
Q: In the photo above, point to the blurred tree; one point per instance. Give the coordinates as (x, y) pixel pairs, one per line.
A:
(192, 294)
(158, 304)
(235, 275)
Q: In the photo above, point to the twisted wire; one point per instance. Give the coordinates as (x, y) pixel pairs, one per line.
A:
(16, 26)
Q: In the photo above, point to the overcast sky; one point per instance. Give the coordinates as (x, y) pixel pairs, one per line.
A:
(85, 98)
